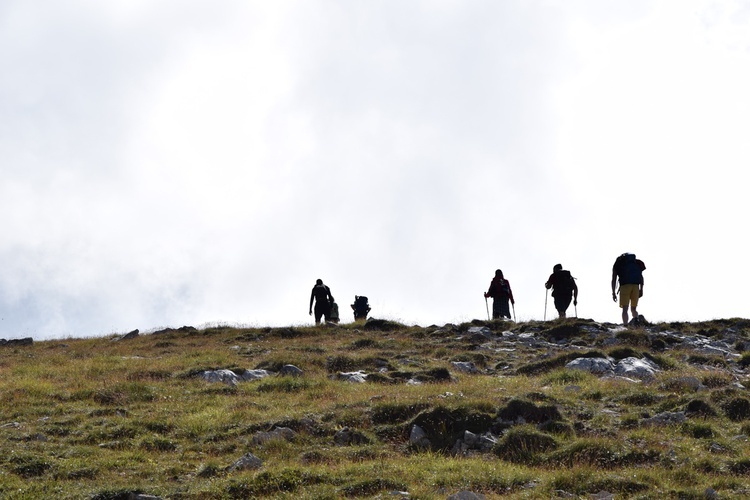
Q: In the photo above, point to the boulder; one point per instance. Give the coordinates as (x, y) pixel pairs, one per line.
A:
(418, 438)
(247, 462)
(358, 377)
(250, 375)
(17, 342)
(642, 369)
(349, 437)
(279, 433)
(666, 418)
(596, 366)
(465, 366)
(291, 371)
(466, 495)
(226, 376)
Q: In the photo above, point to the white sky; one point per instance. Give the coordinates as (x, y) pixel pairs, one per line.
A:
(169, 163)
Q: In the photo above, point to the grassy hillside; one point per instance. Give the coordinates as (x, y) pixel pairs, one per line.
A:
(111, 417)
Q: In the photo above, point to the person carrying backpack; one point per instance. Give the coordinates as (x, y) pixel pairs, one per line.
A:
(321, 294)
(629, 271)
(564, 289)
(501, 293)
(361, 308)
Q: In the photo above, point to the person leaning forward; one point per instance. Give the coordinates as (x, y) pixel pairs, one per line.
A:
(564, 289)
(321, 294)
(629, 271)
(501, 293)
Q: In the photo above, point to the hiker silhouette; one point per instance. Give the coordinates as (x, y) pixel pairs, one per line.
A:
(629, 271)
(321, 294)
(501, 293)
(564, 289)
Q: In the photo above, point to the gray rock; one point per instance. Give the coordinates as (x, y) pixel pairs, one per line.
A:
(358, 377)
(686, 383)
(602, 495)
(466, 495)
(592, 365)
(247, 462)
(465, 366)
(250, 375)
(349, 437)
(226, 376)
(418, 438)
(291, 371)
(279, 433)
(471, 441)
(128, 336)
(17, 342)
(637, 368)
(480, 330)
(666, 418)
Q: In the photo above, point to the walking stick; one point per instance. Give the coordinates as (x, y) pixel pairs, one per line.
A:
(514, 311)
(545, 303)
(488, 308)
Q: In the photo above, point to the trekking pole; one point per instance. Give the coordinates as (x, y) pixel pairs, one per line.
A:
(514, 311)
(545, 303)
(488, 308)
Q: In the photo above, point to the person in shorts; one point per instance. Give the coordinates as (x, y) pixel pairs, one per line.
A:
(628, 270)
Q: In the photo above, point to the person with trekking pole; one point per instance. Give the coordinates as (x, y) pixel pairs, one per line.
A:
(564, 289)
(501, 293)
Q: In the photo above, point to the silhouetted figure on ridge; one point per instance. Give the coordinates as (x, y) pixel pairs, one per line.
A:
(321, 294)
(564, 289)
(501, 293)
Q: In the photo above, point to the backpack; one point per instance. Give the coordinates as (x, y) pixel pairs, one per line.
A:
(321, 293)
(361, 306)
(505, 288)
(630, 269)
(499, 288)
(564, 282)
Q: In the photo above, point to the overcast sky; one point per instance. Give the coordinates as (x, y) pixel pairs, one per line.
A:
(175, 162)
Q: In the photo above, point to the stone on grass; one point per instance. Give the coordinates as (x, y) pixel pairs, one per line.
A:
(291, 371)
(638, 368)
(250, 375)
(466, 495)
(592, 365)
(418, 438)
(349, 437)
(226, 376)
(130, 335)
(358, 377)
(279, 433)
(480, 330)
(247, 462)
(17, 342)
(465, 366)
(666, 418)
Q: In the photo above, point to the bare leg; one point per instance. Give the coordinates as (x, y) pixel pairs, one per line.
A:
(635, 313)
(625, 315)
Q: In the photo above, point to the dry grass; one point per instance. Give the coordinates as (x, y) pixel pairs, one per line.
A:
(98, 418)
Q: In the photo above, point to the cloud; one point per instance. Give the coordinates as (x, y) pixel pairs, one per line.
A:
(189, 163)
